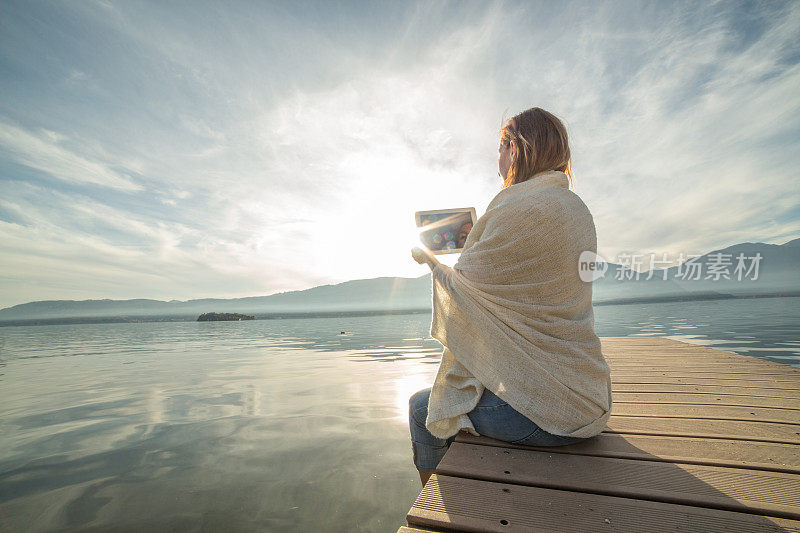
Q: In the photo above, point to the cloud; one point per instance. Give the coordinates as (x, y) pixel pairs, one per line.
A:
(710, 168)
(44, 152)
(290, 147)
(82, 246)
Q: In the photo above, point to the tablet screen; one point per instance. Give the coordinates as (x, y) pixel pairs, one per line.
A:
(444, 231)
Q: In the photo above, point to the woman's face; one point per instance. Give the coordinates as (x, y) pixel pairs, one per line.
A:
(463, 233)
(504, 161)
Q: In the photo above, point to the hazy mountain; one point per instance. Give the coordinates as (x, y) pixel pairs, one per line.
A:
(385, 293)
(777, 269)
(777, 274)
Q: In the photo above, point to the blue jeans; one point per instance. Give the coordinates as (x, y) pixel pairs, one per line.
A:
(492, 417)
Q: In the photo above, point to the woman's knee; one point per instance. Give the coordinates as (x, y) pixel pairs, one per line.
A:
(418, 401)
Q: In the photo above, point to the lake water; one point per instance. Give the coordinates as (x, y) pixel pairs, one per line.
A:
(260, 425)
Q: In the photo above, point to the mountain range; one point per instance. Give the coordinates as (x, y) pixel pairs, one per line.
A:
(777, 275)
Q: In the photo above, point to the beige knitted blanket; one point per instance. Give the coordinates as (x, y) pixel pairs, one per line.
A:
(513, 315)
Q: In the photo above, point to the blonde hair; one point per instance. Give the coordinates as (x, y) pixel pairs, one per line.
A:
(542, 145)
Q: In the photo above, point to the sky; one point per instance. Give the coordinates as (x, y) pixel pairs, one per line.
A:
(178, 150)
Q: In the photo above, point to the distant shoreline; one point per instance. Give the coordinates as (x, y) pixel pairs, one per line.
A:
(123, 319)
(193, 317)
(694, 297)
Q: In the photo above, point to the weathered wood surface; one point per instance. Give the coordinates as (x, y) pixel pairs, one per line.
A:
(698, 440)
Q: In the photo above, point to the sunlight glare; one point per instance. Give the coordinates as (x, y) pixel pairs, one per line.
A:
(405, 387)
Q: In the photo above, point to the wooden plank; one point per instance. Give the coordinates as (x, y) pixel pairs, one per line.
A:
(632, 346)
(694, 427)
(734, 489)
(692, 365)
(702, 366)
(703, 399)
(737, 374)
(650, 352)
(699, 365)
(706, 389)
(771, 373)
(692, 354)
(696, 360)
(741, 372)
(661, 342)
(715, 412)
(696, 352)
(623, 349)
(652, 355)
(699, 439)
(654, 347)
(407, 529)
(765, 383)
(699, 359)
(690, 450)
(465, 504)
(651, 348)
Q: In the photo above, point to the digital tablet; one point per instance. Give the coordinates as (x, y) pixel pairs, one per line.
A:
(444, 231)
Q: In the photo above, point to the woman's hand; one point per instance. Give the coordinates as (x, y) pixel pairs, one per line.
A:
(424, 256)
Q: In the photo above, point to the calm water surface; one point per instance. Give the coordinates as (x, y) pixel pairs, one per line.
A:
(262, 425)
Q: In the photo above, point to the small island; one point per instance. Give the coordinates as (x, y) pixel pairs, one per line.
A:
(214, 317)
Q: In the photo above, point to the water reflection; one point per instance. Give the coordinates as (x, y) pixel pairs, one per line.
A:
(758, 327)
(258, 425)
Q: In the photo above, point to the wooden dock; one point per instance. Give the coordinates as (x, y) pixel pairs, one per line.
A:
(699, 439)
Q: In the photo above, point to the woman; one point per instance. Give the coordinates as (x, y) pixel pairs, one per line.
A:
(521, 361)
(463, 233)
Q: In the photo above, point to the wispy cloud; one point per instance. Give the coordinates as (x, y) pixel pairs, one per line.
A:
(149, 150)
(43, 151)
